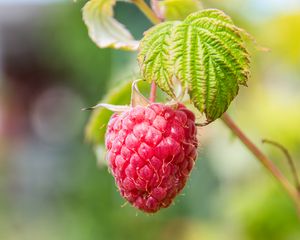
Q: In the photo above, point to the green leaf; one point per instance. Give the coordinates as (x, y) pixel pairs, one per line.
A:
(103, 29)
(96, 126)
(179, 9)
(205, 52)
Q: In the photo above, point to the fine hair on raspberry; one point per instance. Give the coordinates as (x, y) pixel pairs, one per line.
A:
(151, 152)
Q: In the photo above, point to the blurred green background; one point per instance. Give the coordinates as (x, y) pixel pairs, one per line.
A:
(51, 186)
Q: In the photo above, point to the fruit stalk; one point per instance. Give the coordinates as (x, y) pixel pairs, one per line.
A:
(153, 92)
(151, 15)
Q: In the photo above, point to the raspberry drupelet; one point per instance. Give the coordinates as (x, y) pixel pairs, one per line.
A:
(151, 152)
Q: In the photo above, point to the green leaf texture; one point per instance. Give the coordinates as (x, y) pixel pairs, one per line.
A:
(205, 52)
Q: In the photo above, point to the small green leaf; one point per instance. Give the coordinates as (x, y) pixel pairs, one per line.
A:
(179, 9)
(96, 127)
(103, 29)
(205, 52)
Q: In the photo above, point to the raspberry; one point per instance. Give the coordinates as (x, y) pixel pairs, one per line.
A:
(151, 152)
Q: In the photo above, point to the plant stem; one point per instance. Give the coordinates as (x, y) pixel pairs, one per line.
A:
(289, 159)
(153, 92)
(150, 14)
(156, 9)
(263, 159)
(147, 11)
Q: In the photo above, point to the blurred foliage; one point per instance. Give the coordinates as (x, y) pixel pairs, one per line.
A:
(283, 37)
(272, 217)
(179, 9)
(70, 51)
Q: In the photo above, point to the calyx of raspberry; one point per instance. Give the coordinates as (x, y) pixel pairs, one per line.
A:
(137, 99)
(151, 150)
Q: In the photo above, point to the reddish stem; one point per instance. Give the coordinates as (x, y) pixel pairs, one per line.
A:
(263, 159)
(153, 92)
(156, 9)
(289, 160)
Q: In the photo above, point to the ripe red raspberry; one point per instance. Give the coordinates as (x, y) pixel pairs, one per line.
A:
(151, 152)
